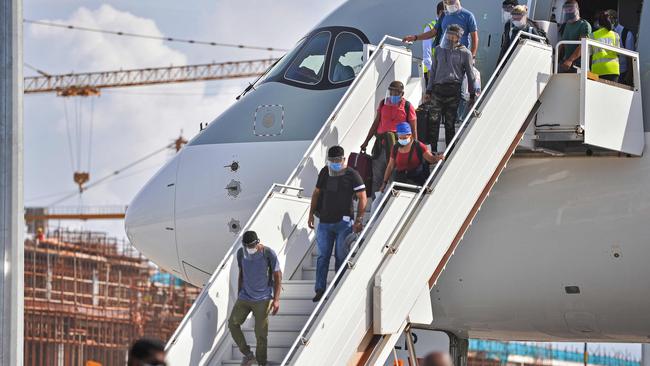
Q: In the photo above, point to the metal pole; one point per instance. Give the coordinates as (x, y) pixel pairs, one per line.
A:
(645, 354)
(11, 184)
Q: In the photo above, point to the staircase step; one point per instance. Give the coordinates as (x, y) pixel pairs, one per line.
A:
(281, 322)
(309, 273)
(274, 354)
(238, 362)
(282, 338)
(296, 288)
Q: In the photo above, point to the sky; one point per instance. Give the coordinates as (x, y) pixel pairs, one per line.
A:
(130, 123)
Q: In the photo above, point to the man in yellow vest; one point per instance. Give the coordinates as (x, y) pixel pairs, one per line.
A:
(605, 63)
(429, 45)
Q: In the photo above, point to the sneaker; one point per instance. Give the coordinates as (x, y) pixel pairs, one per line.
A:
(248, 360)
(319, 295)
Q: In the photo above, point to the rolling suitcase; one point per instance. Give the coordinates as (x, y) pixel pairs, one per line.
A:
(425, 121)
(362, 163)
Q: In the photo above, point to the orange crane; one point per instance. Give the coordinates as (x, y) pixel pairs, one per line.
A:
(90, 83)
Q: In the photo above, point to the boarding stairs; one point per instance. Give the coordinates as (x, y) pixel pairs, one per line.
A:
(384, 285)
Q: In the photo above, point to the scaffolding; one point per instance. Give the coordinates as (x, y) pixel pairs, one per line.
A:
(88, 296)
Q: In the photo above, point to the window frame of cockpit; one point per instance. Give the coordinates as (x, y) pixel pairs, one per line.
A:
(326, 56)
(325, 83)
(331, 61)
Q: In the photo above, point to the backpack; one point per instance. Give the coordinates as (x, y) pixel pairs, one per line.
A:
(267, 256)
(420, 175)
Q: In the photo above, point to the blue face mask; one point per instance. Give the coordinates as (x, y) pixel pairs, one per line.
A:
(394, 99)
(404, 142)
(336, 167)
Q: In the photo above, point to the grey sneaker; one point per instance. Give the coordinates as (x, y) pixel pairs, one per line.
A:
(248, 360)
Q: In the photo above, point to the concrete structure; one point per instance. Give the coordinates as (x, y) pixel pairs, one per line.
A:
(11, 185)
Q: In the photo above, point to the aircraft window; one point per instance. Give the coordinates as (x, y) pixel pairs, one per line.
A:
(347, 58)
(308, 66)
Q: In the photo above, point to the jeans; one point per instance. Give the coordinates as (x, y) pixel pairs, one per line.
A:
(330, 237)
(462, 109)
(239, 314)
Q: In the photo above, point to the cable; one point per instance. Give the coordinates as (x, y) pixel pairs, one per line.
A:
(35, 69)
(67, 129)
(145, 36)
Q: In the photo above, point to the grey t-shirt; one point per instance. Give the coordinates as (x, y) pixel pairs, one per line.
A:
(256, 285)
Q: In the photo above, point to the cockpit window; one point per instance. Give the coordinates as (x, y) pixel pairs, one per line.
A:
(347, 58)
(309, 64)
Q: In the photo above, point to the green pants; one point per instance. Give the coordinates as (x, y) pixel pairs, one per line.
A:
(261, 314)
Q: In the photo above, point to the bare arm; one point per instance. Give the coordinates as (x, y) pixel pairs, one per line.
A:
(474, 36)
(372, 132)
(361, 210)
(428, 156)
(312, 208)
(422, 36)
(277, 288)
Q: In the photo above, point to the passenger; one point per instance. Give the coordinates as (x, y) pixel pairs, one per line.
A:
(506, 10)
(436, 359)
(259, 287)
(604, 63)
(428, 45)
(146, 352)
(628, 40)
(454, 14)
(518, 23)
(452, 62)
(392, 111)
(410, 158)
(332, 200)
(573, 28)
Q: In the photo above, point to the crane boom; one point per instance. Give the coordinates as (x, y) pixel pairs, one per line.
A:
(90, 83)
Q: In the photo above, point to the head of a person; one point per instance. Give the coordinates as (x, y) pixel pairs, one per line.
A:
(571, 11)
(404, 133)
(438, 359)
(604, 20)
(453, 35)
(250, 241)
(613, 15)
(336, 159)
(506, 9)
(452, 6)
(519, 16)
(147, 352)
(440, 8)
(395, 92)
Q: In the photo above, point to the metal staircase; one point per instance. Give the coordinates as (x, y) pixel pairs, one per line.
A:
(385, 282)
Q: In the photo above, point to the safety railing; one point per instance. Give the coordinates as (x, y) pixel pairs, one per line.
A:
(587, 47)
(302, 339)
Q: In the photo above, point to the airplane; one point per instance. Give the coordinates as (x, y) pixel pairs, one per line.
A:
(559, 251)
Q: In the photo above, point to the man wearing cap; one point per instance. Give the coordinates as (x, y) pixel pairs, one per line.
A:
(336, 187)
(451, 64)
(260, 283)
(519, 22)
(392, 111)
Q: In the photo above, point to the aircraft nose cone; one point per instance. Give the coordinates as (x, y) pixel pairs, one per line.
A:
(149, 221)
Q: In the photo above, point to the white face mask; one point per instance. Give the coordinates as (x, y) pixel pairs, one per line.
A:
(451, 9)
(518, 23)
(252, 250)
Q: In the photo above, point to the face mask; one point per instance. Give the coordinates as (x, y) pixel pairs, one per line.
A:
(404, 142)
(451, 9)
(518, 23)
(252, 250)
(336, 167)
(449, 43)
(394, 99)
(570, 16)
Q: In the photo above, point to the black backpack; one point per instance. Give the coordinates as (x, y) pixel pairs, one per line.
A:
(267, 256)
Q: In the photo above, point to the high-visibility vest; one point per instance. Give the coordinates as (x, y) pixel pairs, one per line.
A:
(431, 25)
(605, 62)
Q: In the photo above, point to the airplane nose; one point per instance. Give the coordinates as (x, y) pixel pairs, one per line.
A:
(149, 221)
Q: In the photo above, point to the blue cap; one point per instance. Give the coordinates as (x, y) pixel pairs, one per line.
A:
(404, 128)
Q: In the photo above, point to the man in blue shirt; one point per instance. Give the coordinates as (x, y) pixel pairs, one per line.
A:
(454, 14)
(260, 283)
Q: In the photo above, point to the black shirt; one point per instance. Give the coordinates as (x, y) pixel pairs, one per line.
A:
(337, 193)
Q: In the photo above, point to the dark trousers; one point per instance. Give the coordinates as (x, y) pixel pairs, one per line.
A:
(445, 109)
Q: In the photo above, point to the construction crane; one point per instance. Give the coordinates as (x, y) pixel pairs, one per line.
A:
(90, 83)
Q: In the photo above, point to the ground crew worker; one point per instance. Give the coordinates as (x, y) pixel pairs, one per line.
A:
(428, 45)
(628, 41)
(452, 62)
(605, 63)
(573, 28)
(393, 110)
(260, 283)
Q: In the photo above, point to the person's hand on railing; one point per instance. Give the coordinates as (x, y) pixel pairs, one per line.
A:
(357, 227)
(411, 38)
